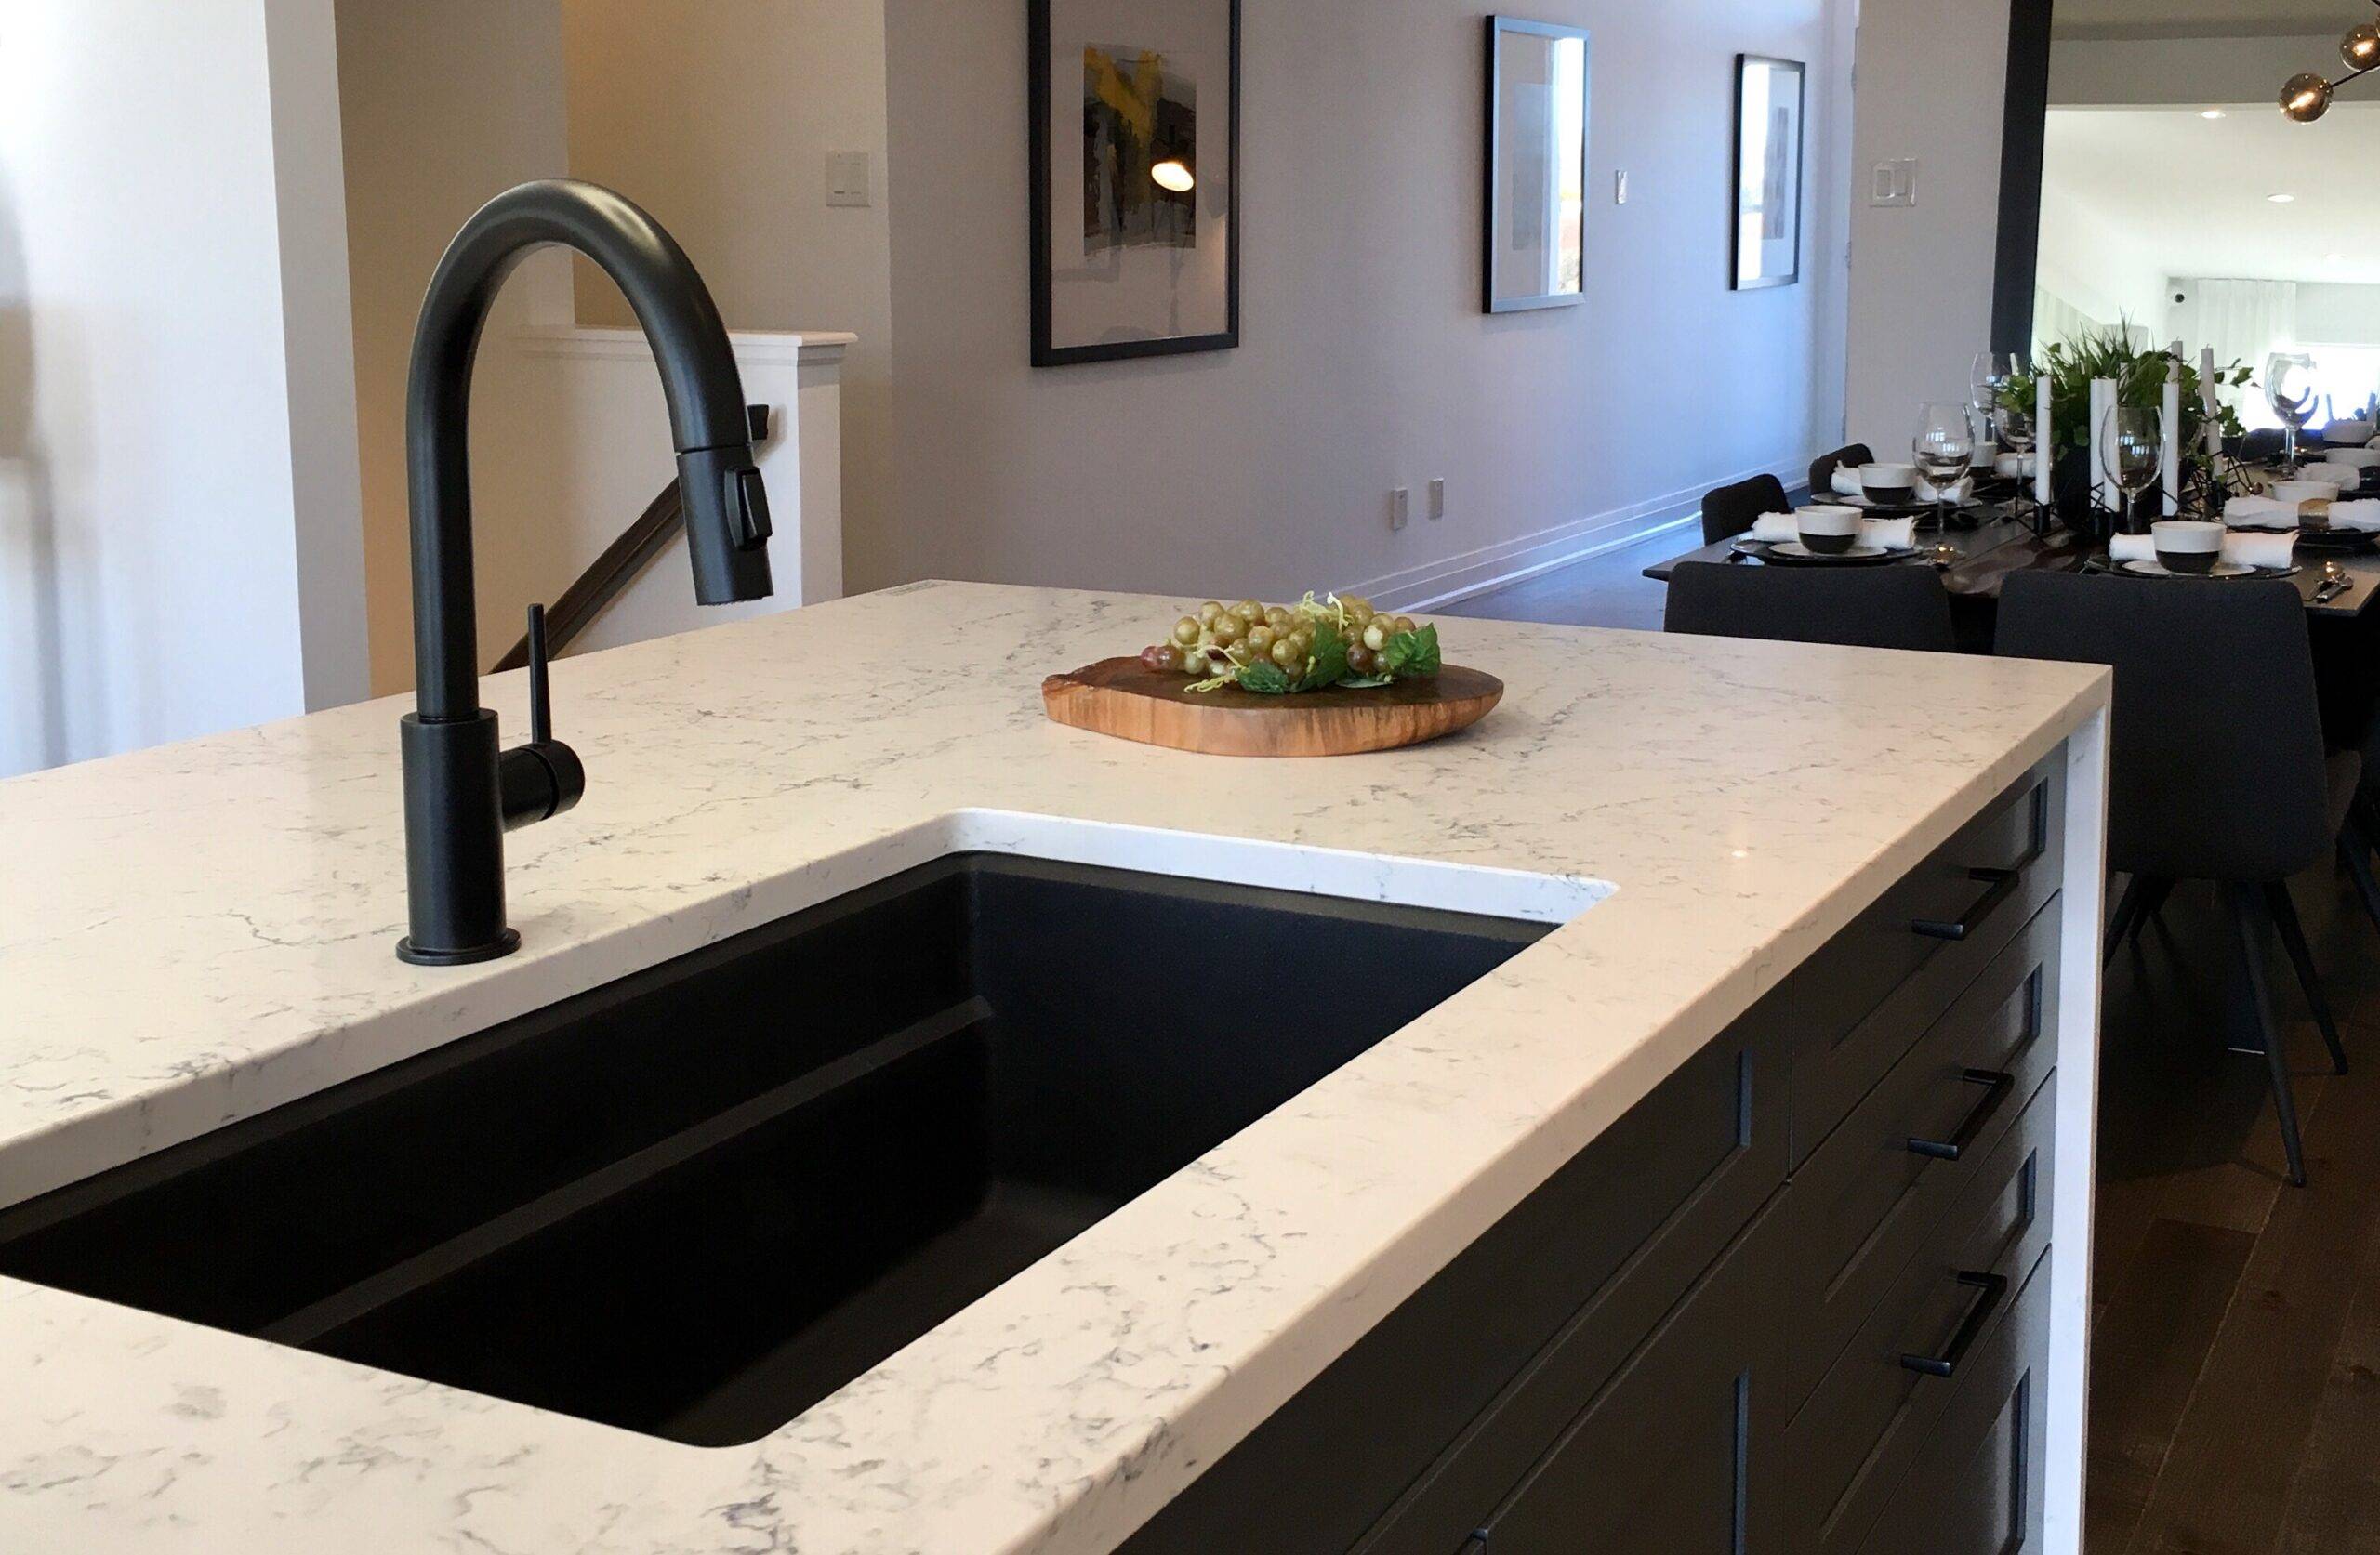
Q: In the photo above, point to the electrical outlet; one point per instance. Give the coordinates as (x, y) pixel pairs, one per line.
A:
(1400, 508)
(1620, 187)
(1437, 500)
(848, 180)
(1893, 183)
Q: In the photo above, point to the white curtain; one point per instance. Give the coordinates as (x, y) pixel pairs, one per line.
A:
(2243, 320)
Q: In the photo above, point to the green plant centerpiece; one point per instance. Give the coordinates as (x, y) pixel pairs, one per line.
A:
(1284, 650)
(2139, 375)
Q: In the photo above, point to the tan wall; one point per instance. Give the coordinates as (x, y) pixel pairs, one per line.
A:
(718, 115)
(444, 103)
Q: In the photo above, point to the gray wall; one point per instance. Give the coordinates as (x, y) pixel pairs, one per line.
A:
(1366, 363)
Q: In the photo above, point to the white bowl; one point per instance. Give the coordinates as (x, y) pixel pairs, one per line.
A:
(2304, 491)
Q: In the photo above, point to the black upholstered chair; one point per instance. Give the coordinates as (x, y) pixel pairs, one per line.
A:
(2267, 442)
(1855, 607)
(1822, 469)
(1730, 511)
(2217, 767)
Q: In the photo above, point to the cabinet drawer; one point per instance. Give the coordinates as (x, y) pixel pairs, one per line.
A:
(1878, 1407)
(1557, 1292)
(1885, 1181)
(1977, 1488)
(1677, 1453)
(1863, 999)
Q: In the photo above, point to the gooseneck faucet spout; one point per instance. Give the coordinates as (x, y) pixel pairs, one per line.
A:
(462, 791)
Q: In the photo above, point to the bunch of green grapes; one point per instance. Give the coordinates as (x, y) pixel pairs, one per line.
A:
(1222, 640)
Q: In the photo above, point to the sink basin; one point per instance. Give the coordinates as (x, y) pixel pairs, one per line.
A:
(695, 1202)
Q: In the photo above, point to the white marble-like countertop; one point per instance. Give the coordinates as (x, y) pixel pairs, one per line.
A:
(195, 934)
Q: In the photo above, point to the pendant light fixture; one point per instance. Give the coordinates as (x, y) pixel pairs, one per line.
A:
(2308, 96)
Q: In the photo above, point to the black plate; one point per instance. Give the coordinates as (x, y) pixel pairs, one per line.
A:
(2100, 563)
(1765, 551)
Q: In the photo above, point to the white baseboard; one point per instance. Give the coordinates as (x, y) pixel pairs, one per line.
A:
(1436, 584)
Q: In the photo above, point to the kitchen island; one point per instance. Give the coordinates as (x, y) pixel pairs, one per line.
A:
(193, 936)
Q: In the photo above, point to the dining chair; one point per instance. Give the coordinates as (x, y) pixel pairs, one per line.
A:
(1852, 606)
(2266, 443)
(1822, 469)
(1730, 511)
(2216, 766)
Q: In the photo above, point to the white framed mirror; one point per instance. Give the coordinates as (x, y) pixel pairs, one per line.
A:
(1536, 165)
(1769, 171)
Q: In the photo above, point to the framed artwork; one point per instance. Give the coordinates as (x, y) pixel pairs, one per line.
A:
(1536, 165)
(1768, 248)
(1135, 149)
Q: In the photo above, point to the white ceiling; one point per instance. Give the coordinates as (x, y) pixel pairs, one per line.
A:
(2180, 18)
(2191, 195)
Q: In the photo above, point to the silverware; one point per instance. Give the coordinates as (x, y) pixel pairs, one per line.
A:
(2335, 582)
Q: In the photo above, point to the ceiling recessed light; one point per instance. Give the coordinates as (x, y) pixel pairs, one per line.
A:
(2282, 199)
(2215, 114)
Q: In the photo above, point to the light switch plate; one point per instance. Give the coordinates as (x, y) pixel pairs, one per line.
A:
(848, 180)
(1400, 508)
(1437, 500)
(1893, 183)
(1620, 187)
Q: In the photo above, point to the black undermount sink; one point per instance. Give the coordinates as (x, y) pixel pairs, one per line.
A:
(697, 1200)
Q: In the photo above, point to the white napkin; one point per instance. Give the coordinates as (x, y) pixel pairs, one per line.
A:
(1892, 534)
(2348, 434)
(1772, 528)
(2015, 465)
(1847, 482)
(2345, 476)
(2261, 551)
(2362, 515)
(1928, 492)
(2354, 458)
(2260, 512)
(2131, 547)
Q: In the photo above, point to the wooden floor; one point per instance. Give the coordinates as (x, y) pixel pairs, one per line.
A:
(2235, 1394)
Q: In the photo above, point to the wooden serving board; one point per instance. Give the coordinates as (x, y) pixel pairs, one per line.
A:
(1123, 698)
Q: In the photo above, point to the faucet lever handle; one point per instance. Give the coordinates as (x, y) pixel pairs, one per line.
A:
(541, 710)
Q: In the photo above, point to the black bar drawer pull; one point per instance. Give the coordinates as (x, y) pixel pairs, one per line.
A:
(2001, 885)
(1995, 1289)
(1998, 1088)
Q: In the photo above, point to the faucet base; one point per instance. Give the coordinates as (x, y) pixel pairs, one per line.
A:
(497, 950)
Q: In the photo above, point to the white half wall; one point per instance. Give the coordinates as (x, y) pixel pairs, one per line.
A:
(1367, 364)
(1933, 86)
(176, 447)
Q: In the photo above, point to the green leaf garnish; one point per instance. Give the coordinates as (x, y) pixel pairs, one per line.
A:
(1265, 678)
(1411, 655)
(1329, 665)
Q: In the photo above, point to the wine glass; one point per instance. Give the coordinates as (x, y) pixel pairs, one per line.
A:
(1994, 372)
(2132, 450)
(2289, 389)
(1944, 448)
(2014, 424)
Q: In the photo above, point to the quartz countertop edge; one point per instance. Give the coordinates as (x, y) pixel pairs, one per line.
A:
(196, 933)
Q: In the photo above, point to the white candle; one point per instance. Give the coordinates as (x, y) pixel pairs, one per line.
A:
(2213, 405)
(2170, 470)
(2045, 450)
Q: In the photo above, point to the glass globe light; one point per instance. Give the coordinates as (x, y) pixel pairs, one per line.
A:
(2360, 48)
(2307, 97)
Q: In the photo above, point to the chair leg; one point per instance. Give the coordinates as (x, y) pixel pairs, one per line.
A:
(2293, 938)
(2152, 908)
(2355, 851)
(2127, 918)
(2246, 906)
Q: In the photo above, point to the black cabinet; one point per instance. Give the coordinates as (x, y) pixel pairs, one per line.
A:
(1708, 1332)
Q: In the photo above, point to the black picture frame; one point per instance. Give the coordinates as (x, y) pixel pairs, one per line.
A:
(1491, 163)
(1744, 64)
(1046, 351)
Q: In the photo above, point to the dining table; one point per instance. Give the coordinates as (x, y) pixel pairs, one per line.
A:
(1989, 543)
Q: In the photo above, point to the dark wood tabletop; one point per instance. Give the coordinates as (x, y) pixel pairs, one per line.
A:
(2000, 544)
